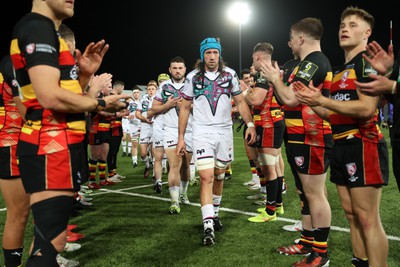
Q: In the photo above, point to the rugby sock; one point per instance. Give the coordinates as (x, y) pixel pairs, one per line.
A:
(13, 257)
(102, 170)
(262, 181)
(307, 238)
(146, 162)
(207, 213)
(92, 170)
(320, 244)
(272, 189)
(357, 262)
(216, 204)
(253, 169)
(174, 193)
(123, 144)
(183, 187)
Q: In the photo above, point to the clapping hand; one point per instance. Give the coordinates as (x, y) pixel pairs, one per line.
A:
(89, 62)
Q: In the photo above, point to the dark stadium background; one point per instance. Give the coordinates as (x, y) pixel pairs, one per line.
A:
(145, 35)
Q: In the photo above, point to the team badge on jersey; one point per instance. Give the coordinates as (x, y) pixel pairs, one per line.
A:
(368, 69)
(260, 78)
(307, 70)
(343, 81)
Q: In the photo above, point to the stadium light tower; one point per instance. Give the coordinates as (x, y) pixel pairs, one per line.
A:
(239, 13)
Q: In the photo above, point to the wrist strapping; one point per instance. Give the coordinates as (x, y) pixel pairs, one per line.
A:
(101, 105)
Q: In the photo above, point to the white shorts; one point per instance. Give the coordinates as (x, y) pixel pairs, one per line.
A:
(146, 131)
(158, 134)
(134, 130)
(157, 142)
(125, 125)
(218, 146)
(171, 139)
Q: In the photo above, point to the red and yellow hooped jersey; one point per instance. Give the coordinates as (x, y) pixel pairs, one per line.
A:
(36, 42)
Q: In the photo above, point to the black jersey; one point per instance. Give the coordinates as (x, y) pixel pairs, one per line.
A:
(303, 125)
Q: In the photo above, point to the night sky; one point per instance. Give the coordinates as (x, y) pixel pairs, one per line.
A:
(143, 40)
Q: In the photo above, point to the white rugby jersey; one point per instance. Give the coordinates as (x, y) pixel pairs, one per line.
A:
(133, 104)
(143, 106)
(212, 96)
(167, 89)
(158, 119)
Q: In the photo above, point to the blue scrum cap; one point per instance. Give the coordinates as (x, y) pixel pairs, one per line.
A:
(209, 43)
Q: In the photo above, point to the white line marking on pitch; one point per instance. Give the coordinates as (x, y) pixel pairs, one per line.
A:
(122, 192)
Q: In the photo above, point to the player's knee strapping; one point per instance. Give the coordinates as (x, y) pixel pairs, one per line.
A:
(267, 159)
(205, 163)
(220, 176)
(221, 165)
(50, 218)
